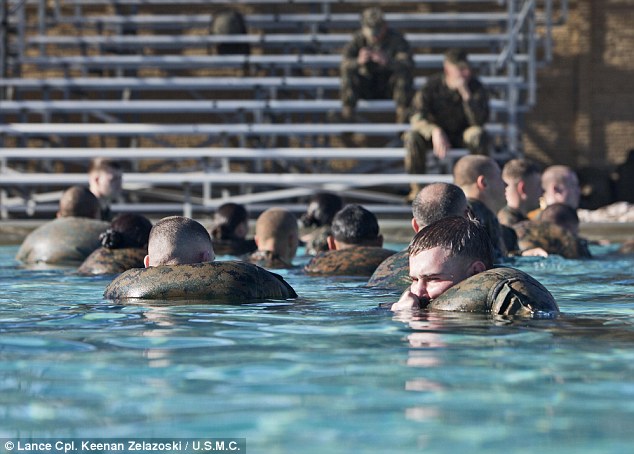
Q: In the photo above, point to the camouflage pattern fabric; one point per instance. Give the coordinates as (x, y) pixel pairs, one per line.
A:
(318, 241)
(552, 238)
(499, 291)
(392, 273)
(510, 216)
(227, 281)
(463, 123)
(354, 261)
(371, 81)
(268, 259)
(234, 247)
(112, 261)
(64, 241)
(490, 221)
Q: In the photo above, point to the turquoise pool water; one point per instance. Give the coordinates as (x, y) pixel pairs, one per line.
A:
(327, 373)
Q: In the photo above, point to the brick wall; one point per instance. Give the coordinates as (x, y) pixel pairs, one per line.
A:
(584, 116)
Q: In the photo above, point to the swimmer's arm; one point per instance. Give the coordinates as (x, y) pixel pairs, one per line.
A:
(534, 252)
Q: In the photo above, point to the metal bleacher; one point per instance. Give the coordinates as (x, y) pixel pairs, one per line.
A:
(140, 81)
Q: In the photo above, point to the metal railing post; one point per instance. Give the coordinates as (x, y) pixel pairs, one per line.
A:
(4, 42)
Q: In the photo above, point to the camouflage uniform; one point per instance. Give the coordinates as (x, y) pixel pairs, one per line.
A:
(268, 259)
(318, 241)
(354, 261)
(233, 247)
(371, 81)
(552, 238)
(488, 219)
(112, 261)
(499, 291)
(227, 281)
(510, 216)
(463, 123)
(64, 241)
(392, 273)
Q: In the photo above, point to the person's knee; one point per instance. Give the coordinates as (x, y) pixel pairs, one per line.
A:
(475, 138)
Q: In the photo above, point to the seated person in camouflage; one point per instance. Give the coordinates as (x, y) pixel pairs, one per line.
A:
(355, 245)
(451, 110)
(451, 269)
(105, 182)
(229, 231)
(556, 232)
(277, 238)
(71, 237)
(376, 64)
(435, 201)
(123, 246)
(481, 180)
(320, 213)
(180, 265)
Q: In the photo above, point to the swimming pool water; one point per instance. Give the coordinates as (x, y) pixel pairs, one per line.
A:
(327, 373)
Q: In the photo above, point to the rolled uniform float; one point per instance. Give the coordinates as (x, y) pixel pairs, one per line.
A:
(63, 241)
(229, 281)
(499, 291)
(354, 261)
(112, 261)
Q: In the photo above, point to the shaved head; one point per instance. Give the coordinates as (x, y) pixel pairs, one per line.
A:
(276, 231)
(470, 167)
(436, 201)
(178, 240)
(80, 202)
(561, 185)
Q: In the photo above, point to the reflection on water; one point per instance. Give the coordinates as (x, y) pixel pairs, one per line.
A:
(331, 372)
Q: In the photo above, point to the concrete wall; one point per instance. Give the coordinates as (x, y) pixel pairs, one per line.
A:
(584, 115)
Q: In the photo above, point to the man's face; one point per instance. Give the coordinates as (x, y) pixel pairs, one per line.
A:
(108, 183)
(434, 271)
(566, 191)
(454, 72)
(374, 35)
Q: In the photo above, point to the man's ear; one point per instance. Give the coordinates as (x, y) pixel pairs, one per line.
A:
(521, 185)
(146, 261)
(332, 245)
(415, 225)
(476, 267)
(481, 182)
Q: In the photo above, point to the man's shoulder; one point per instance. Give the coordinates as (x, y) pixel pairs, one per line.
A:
(434, 82)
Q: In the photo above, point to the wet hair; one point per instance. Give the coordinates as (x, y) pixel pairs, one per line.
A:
(436, 201)
(226, 219)
(561, 214)
(321, 209)
(464, 238)
(470, 167)
(127, 231)
(78, 201)
(355, 225)
(519, 169)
